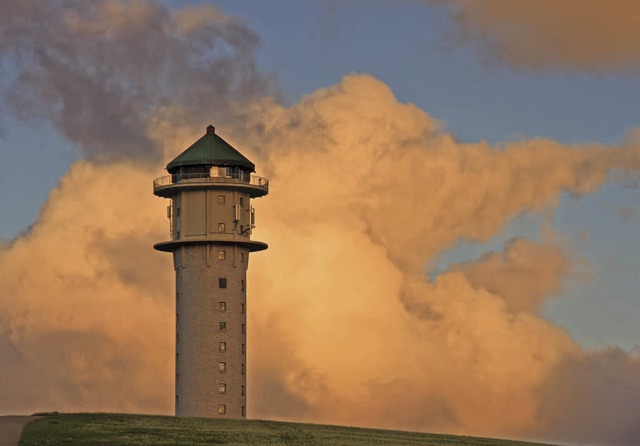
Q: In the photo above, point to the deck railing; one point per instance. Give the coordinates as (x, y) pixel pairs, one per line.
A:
(203, 178)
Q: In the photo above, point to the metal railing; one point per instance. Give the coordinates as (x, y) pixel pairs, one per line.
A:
(204, 178)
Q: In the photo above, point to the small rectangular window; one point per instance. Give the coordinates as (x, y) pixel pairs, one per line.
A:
(242, 369)
(222, 326)
(242, 285)
(220, 228)
(242, 350)
(222, 409)
(242, 390)
(242, 411)
(222, 388)
(222, 367)
(242, 306)
(244, 329)
(222, 255)
(222, 346)
(222, 282)
(177, 212)
(242, 257)
(220, 199)
(177, 297)
(241, 202)
(177, 234)
(222, 306)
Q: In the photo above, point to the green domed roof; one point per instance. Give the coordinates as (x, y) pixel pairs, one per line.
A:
(210, 150)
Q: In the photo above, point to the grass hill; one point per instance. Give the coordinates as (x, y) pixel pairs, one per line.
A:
(121, 429)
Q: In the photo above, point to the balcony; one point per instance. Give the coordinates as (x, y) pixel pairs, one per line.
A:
(166, 186)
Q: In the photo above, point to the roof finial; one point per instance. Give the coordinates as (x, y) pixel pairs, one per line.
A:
(211, 129)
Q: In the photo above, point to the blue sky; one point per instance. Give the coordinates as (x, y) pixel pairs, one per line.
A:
(412, 46)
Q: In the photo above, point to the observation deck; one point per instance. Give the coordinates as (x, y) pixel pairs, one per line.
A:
(168, 185)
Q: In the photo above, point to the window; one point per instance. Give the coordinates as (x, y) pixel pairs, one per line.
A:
(242, 306)
(222, 282)
(242, 369)
(222, 409)
(177, 212)
(241, 202)
(242, 257)
(222, 388)
(244, 329)
(177, 297)
(222, 326)
(222, 346)
(222, 306)
(176, 377)
(242, 390)
(176, 400)
(222, 366)
(220, 199)
(220, 228)
(242, 411)
(242, 285)
(177, 234)
(222, 255)
(242, 349)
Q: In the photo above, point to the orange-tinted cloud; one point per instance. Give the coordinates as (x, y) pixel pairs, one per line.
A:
(343, 326)
(586, 35)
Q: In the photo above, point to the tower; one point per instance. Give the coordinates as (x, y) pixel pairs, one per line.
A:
(211, 219)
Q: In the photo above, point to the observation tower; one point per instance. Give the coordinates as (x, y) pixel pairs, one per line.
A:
(211, 185)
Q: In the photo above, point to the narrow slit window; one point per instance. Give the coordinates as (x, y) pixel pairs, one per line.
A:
(242, 390)
(222, 282)
(242, 257)
(242, 369)
(222, 346)
(222, 388)
(242, 349)
(242, 412)
(244, 329)
(242, 306)
(242, 287)
(241, 202)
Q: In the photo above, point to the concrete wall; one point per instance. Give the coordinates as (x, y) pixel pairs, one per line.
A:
(198, 332)
(198, 214)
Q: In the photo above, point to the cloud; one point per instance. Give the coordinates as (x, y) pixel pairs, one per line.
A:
(343, 326)
(524, 275)
(99, 70)
(586, 36)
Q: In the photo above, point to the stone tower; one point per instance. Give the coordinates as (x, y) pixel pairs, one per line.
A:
(211, 219)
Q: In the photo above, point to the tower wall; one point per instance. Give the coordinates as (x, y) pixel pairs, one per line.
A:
(202, 388)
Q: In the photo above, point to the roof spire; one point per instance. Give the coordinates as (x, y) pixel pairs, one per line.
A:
(211, 129)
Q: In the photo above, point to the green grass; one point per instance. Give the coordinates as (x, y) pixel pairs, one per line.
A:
(120, 430)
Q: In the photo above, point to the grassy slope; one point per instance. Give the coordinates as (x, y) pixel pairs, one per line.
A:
(120, 429)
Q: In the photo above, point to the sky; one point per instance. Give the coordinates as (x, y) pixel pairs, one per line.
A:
(485, 160)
